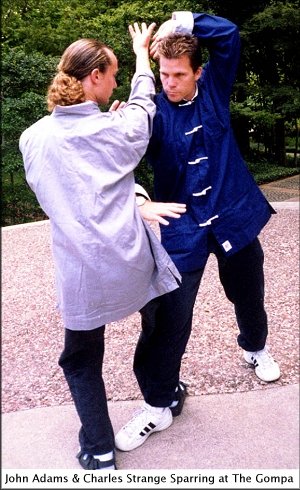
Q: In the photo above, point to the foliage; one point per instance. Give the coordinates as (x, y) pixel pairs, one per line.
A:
(271, 46)
(19, 204)
(265, 172)
(35, 33)
(20, 107)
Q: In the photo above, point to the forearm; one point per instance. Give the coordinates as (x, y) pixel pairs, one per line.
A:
(216, 32)
(142, 87)
(219, 35)
(142, 63)
(139, 190)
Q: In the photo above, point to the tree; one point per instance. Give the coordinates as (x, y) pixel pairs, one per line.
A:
(35, 33)
(271, 45)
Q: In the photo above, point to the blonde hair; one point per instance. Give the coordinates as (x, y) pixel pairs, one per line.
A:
(176, 45)
(77, 61)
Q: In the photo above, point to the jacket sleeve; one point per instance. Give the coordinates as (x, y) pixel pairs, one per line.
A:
(130, 127)
(221, 37)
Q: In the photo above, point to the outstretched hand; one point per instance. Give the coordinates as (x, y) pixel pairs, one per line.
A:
(154, 211)
(141, 36)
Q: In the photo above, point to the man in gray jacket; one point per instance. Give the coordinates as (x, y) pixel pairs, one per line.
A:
(79, 162)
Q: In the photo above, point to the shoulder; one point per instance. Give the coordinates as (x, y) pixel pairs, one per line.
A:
(35, 128)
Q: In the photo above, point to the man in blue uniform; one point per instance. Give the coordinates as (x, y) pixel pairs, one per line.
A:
(196, 161)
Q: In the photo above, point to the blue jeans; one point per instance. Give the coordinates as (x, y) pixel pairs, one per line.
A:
(81, 361)
(167, 320)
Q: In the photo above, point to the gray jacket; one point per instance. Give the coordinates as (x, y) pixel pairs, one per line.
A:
(80, 162)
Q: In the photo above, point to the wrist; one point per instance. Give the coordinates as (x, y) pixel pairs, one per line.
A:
(183, 22)
(142, 60)
(140, 200)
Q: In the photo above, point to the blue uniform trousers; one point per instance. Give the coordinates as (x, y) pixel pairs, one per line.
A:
(81, 361)
(167, 320)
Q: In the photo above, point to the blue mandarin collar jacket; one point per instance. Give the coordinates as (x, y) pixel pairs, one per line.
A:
(196, 159)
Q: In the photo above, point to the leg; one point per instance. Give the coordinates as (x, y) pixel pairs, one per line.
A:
(81, 362)
(166, 327)
(242, 277)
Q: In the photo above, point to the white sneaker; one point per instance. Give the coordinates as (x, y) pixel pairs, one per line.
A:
(266, 368)
(144, 422)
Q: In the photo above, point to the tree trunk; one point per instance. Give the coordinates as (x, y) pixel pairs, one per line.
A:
(279, 149)
(240, 127)
(296, 144)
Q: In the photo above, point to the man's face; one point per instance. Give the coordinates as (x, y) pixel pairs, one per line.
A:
(108, 81)
(178, 78)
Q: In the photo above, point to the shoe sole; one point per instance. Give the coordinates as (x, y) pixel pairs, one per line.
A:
(266, 380)
(138, 443)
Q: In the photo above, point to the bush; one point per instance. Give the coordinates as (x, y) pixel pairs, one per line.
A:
(265, 171)
(19, 204)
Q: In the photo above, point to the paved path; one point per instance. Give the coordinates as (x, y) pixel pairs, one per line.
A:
(283, 190)
(256, 429)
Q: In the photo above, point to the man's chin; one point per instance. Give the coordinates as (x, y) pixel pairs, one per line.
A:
(174, 98)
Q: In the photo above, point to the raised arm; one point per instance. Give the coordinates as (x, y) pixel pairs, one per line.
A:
(220, 36)
(140, 41)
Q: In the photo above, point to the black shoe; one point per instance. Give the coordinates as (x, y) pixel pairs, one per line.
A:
(181, 394)
(88, 462)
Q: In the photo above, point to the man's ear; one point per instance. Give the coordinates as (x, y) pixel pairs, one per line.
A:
(198, 73)
(96, 75)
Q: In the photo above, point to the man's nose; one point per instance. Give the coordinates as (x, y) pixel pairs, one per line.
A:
(171, 82)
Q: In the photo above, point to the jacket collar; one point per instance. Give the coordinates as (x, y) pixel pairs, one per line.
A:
(185, 102)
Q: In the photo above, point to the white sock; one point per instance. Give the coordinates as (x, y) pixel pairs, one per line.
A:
(175, 402)
(154, 409)
(161, 409)
(104, 457)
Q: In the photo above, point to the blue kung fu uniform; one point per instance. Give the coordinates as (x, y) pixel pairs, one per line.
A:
(196, 159)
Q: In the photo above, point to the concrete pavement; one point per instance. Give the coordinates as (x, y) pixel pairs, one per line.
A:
(251, 430)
